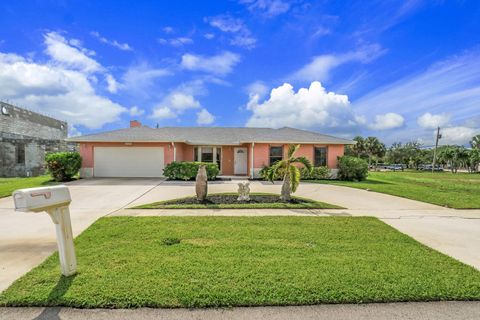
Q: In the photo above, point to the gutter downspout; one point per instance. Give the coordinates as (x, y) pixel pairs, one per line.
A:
(251, 164)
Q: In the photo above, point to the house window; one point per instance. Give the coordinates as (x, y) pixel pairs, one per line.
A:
(21, 153)
(276, 154)
(320, 156)
(208, 154)
(195, 154)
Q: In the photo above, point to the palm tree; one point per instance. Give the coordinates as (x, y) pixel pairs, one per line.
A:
(475, 143)
(374, 148)
(290, 172)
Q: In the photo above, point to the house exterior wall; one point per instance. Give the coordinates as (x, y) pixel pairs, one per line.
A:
(262, 154)
(36, 134)
(184, 152)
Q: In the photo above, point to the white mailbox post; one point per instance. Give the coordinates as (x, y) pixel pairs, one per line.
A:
(54, 200)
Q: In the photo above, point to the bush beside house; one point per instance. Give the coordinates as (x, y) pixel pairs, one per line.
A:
(188, 170)
(63, 166)
(317, 173)
(352, 168)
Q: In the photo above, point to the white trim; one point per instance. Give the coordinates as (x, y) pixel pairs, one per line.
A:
(251, 160)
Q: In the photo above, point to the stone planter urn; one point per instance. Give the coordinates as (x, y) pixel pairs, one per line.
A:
(201, 183)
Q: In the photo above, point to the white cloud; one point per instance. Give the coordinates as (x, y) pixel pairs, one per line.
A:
(69, 55)
(226, 23)
(242, 36)
(175, 104)
(168, 29)
(311, 107)
(268, 8)
(321, 31)
(209, 36)
(244, 41)
(112, 84)
(114, 43)
(136, 111)
(220, 64)
(52, 88)
(140, 78)
(387, 121)
(457, 135)
(204, 117)
(175, 42)
(451, 86)
(257, 88)
(432, 121)
(321, 66)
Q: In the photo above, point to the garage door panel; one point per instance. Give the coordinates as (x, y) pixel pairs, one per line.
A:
(128, 161)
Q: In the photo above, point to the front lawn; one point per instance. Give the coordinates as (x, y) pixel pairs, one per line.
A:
(8, 185)
(126, 262)
(459, 190)
(229, 201)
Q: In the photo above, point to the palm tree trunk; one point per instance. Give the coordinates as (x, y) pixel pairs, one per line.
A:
(286, 190)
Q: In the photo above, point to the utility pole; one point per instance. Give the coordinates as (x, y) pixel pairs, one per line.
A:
(439, 136)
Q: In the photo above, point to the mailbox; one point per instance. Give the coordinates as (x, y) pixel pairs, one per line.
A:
(41, 199)
(55, 201)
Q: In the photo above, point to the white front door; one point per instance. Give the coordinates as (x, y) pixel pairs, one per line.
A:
(240, 160)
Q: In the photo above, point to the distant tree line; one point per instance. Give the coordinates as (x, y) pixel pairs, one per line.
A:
(413, 154)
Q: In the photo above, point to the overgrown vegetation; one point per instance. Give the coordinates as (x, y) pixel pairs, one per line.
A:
(352, 169)
(185, 170)
(63, 166)
(123, 262)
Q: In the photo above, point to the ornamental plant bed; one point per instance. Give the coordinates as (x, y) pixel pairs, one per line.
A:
(229, 201)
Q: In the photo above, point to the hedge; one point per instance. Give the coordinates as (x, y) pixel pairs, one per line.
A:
(318, 173)
(188, 170)
(352, 168)
(63, 166)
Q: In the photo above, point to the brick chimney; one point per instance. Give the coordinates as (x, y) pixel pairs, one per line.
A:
(135, 123)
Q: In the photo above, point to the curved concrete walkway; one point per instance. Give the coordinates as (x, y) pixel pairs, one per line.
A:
(26, 239)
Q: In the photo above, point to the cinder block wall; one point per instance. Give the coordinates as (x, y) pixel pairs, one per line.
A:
(35, 133)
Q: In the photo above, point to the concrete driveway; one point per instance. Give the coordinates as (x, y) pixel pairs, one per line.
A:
(28, 238)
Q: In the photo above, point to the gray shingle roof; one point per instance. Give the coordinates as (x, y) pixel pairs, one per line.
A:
(211, 136)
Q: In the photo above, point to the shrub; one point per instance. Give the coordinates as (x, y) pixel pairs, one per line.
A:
(352, 168)
(63, 166)
(317, 173)
(188, 170)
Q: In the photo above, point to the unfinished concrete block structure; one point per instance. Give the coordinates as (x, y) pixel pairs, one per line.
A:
(25, 138)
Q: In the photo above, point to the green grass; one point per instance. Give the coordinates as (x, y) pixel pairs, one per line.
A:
(8, 185)
(459, 190)
(305, 204)
(126, 262)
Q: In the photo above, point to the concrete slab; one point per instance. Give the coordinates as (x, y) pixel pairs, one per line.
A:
(26, 239)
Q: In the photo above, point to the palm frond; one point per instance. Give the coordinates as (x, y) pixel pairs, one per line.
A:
(275, 169)
(294, 178)
(303, 160)
(292, 148)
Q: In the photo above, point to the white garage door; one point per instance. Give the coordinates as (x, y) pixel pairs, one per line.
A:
(128, 162)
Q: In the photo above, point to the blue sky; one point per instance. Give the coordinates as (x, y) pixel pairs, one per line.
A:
(393, 69)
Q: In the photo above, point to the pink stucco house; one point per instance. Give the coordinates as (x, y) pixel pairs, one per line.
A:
(141, 151)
